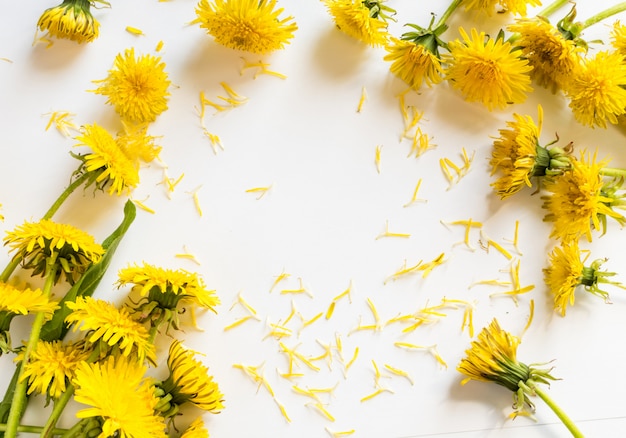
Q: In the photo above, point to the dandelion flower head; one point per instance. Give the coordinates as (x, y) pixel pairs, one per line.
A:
(618, 37)
(414, 63)
(70, 20)
(196, 430)
(597, 90)
(117, 391)
(51, 367)
(136, 86)
(111, 165)
(356, 19)
(488, 72)
(136, 144)
(253, 26)
(104, 322)
(577, 202)
(16, 301)
(38, 243)
(564, 274)
(553, 57)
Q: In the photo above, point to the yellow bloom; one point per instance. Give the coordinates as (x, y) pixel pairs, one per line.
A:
(51, 366)
(493, 358)
(491, 72)
(413, 63)
(189, 382)
(117, 391)
(596, 90)
(70, 20)
(517, 7)
(70, 249)
(196, 430)
(356, 19)
(579, 201)
(618, 37)
(24, 301)
(109, 162)
(105, 323)
(253, 26)
(136, 87)
(137, 144)
(553, 58)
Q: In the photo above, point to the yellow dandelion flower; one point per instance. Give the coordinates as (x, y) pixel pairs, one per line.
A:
(70, 20)
(189, 382)
(597, 90)
(490, 72)
(553, 57)
(413, 63)
(136, 144)
(517, 156)
(104, 322)
(493, 358)
(196, 430)
(117, 392)
(516, 7)
(38, 243)
(110, 164)
(136, 87)
(25, 301)
(253, 26)
(360, 19)
(51, 367)
(618, 37)
(579, 201)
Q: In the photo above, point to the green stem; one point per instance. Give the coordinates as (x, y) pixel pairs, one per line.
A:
(19, 397)
(59, 406)
(32, 429)
(557, 410)
(442, 20)
(4, 277)
(604, 14)
(614, 172)
(66, 193)
(76, 429)
(552, 8)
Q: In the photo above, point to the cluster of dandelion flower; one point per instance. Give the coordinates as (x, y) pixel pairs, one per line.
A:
(166, 293)
(70, 20)
(567, 272)
(253, 26)
(493, 358)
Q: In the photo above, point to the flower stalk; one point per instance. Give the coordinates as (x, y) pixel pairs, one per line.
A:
(534, 388)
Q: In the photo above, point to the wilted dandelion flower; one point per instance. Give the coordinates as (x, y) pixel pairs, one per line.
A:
(362, 20)
(517, 7)
(118, 393)
(103, 322)
(108, 163)
(136, 87)
(189, 382)
(597, 90)
(580, 200)
(517, 156)
(41, 244)
(553, 57)
(487, 70)
(51, 367)
(567, 271)
(253, 26)
(70, 20)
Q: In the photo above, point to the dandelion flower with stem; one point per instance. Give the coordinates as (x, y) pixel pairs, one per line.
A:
(567, 271)
(189, 382)
(493, 358)
(487, 70)
(166, 293)
(517, 156)
(253, 26)
(580, 199)
(365, 21)
(117, 392)
(136, 86)
(70, 20)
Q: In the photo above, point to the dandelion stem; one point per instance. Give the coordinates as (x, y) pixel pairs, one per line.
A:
(19, 396)
(614, 172)
(4, 277)
(556, 409)
(442, 20)
(32, 429)
(552, 8)
(59, 406)
(66, 193)
(604, 14)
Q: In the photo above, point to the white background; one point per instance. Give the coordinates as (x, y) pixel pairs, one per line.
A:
(320, 220)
